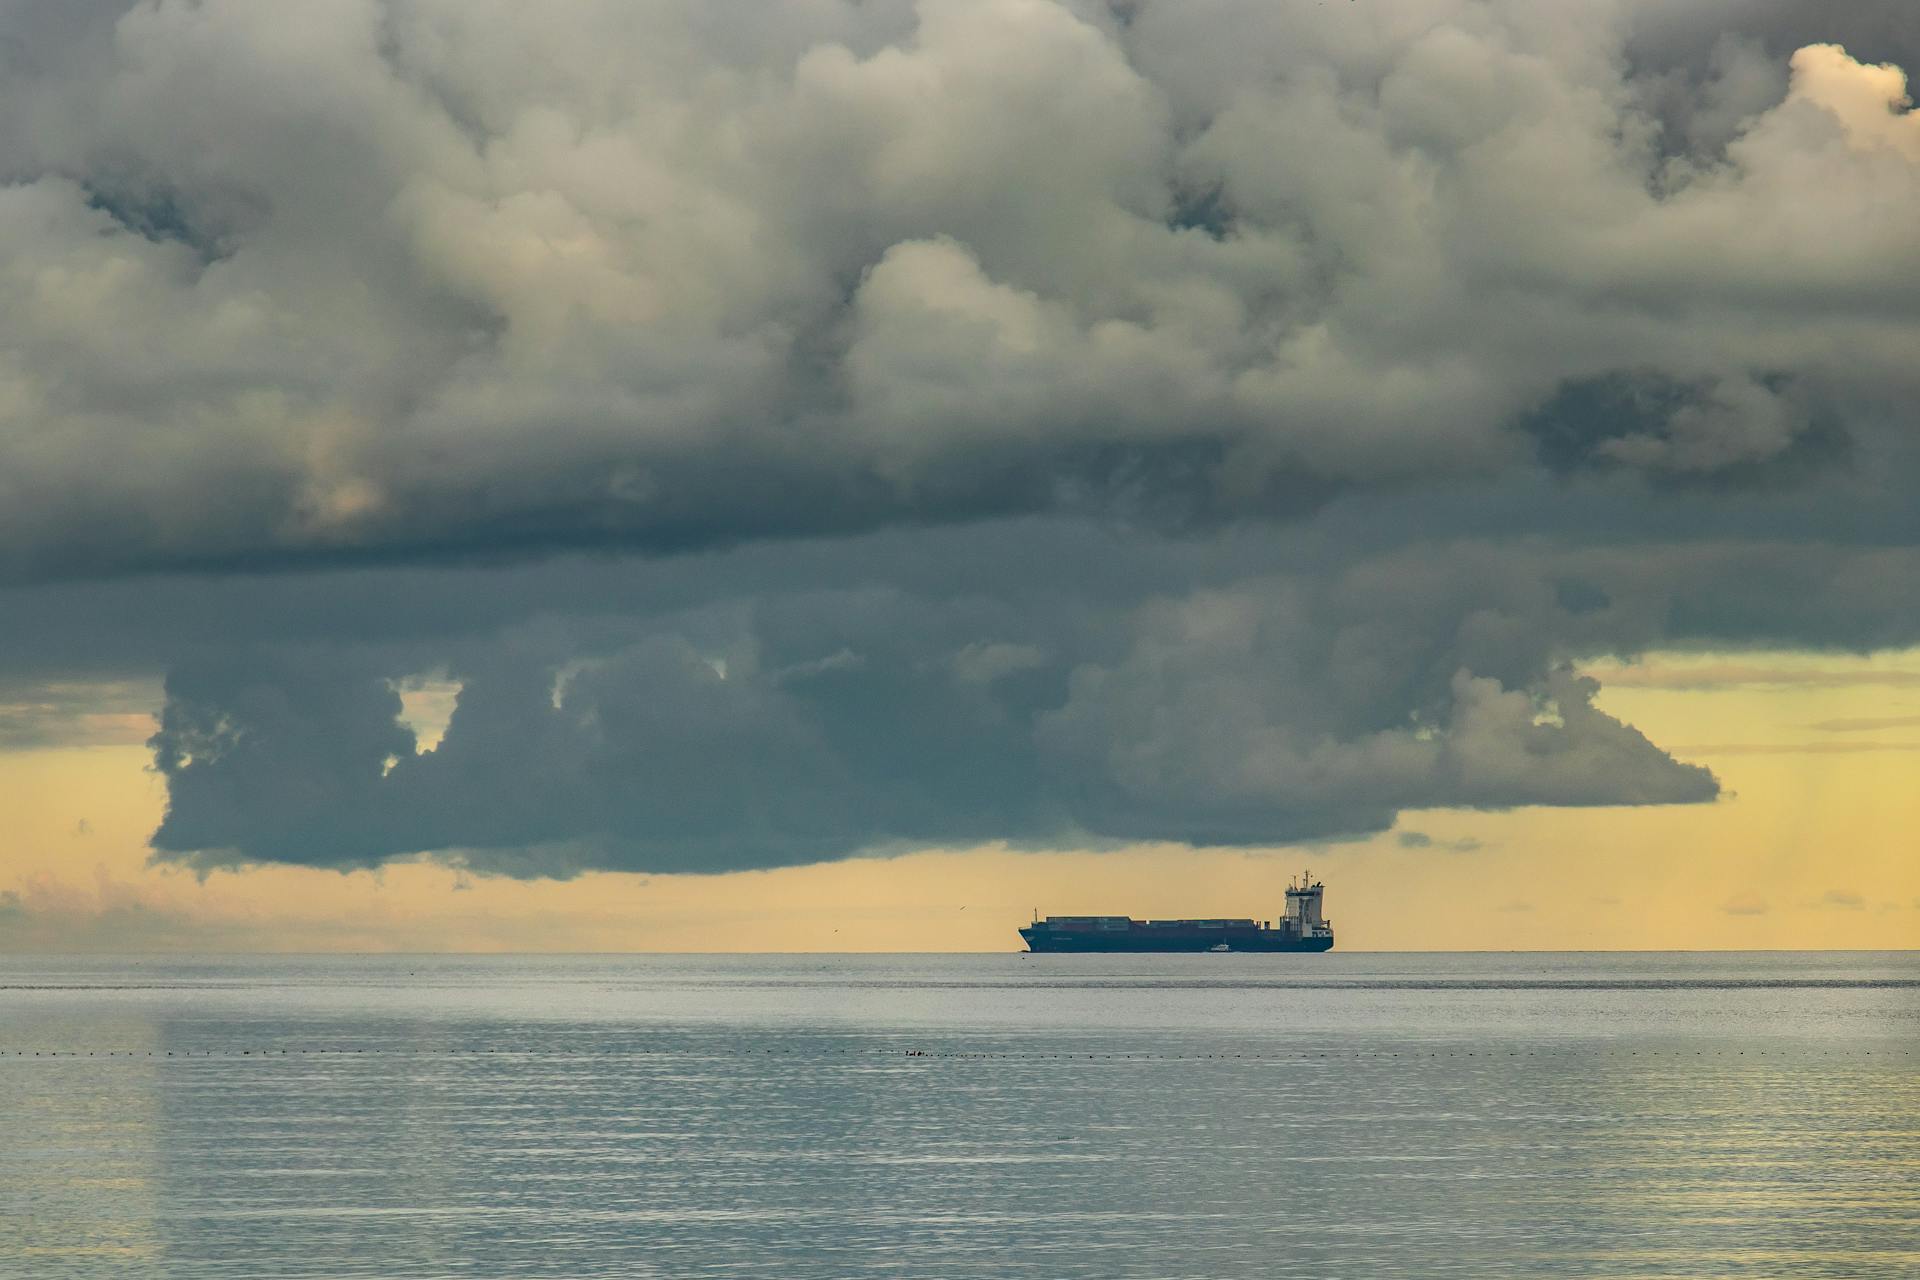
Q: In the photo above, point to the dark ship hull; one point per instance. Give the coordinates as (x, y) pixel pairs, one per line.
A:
(1302, 928)
(1151, 939)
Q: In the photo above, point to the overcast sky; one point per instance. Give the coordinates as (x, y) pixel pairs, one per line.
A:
(702, 437)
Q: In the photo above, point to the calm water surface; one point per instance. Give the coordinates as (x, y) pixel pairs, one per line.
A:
(1179, 1116)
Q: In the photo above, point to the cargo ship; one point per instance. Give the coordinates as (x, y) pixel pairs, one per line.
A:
(1302, 928)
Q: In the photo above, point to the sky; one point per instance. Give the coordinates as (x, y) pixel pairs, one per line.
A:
(843, 476)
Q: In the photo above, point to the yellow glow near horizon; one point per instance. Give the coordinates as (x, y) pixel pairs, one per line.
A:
(1812, 845)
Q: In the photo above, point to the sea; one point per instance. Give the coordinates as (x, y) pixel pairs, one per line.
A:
(1204, 1116)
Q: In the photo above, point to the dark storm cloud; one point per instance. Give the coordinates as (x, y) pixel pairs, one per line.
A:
(820, 715)
(1208, 420)
(1046, 683)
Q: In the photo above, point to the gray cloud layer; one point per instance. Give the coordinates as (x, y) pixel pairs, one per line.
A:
(1462, 295)
(386, 279)
(1039, 682)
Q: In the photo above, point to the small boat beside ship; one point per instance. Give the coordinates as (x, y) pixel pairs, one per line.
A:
(1302, 928)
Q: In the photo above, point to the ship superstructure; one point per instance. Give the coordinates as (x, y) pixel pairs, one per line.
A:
(1302, 928)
